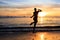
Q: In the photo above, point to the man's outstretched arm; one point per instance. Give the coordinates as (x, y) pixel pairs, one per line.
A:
(31, 16)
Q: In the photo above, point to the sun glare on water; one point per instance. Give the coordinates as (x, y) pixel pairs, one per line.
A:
(42, 14)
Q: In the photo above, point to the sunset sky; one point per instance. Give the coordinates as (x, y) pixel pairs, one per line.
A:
(25, 7)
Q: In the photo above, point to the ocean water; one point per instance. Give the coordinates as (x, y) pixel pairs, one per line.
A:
(25, 21)
(30, 36)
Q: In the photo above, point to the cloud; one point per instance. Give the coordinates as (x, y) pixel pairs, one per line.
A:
(55, 5)
(29, 3)
(14, 3)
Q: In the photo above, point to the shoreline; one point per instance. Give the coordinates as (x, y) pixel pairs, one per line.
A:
(29, 29)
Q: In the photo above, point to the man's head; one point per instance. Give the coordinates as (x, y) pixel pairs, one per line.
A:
(35, 9)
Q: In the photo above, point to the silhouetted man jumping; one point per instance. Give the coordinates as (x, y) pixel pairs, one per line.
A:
(35, 17)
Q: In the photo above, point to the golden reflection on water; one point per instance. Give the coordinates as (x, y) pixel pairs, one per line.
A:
(41, 20)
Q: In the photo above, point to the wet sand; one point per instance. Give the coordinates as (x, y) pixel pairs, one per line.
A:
(29, 36)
